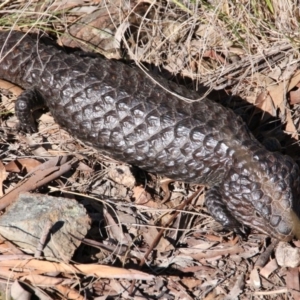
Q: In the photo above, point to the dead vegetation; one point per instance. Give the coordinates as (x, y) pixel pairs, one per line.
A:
(150, 237)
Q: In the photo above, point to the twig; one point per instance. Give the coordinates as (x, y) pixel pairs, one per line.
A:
(43, 238)
(264, 257)
(178, 210)
(43, 174)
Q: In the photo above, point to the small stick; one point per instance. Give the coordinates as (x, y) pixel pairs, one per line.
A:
(43, 174)
(44, 235)
(161, 232)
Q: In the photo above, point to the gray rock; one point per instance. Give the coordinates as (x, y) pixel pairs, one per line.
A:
(61, 221)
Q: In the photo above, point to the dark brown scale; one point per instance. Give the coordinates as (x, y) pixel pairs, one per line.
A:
(124, 113)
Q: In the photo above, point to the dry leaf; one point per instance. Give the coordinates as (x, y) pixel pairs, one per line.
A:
(191, 282)
(295, 294)
(292, 279)
(173, 31)
(195, 247)
(150, 233)
(210, 296)
(255, 281)
(265, 103)
(115, 229)
(22, 164)
(237, 288)
(141, 196)
(7, 247)
(69, 293)
(65, 4)
(41, 280)
(269, 268)
(14, 89)
(295, 95)
(211, 253)
(277, 93)
(88, 269)
(290, 126)
(164, 185)
(17, 292)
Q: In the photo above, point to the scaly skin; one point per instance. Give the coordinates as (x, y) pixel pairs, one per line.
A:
(121, 111)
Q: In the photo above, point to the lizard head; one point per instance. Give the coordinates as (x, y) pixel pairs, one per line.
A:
(263, 192)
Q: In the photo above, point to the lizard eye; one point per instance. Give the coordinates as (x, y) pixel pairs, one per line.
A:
(258, 215)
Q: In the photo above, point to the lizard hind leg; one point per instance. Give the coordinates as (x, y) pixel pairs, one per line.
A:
(27, 102)
(219, 211)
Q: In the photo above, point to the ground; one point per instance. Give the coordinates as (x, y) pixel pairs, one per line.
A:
(150, 237)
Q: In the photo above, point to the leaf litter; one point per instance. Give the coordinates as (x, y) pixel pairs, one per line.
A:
(145, 234)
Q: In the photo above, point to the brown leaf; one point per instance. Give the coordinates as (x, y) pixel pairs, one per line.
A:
(295, 94)
(69, 293)
(115, 229)
(18, 292)
(22, 164)
(7, 247)
(255, 281)
(42, 174)
(43, 280)
(71, 269)
(191, 282)
(269, 268)
(290, 126)
(164, 185)
(84, 167)
(150, 233)
(277, 93)
(295, 294)
(292, 279)
(11, 87)
(217, 252)
(210, 296)
(197, 245)
(95, 31)
(65, 4)
(142, 197)
(265, 103)
(237, 288)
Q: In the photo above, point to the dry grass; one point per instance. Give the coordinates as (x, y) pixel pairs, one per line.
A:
(244, 47)
(221, 44)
